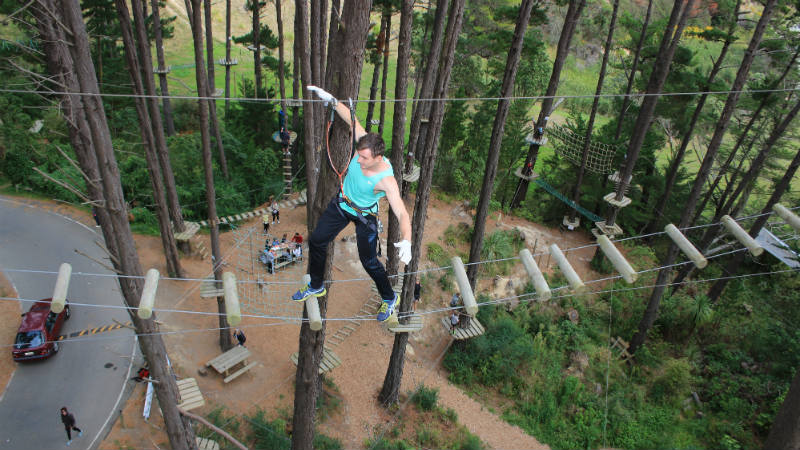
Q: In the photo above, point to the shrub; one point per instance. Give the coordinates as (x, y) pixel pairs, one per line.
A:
(470, 442)
(674, 384)
(425, 398)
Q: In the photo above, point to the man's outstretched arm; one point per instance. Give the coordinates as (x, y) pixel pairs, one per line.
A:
(342, 109)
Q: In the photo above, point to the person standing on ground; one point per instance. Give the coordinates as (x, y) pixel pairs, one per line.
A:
(369, 176)
(417, 293)
(69, 424)
(276, 214)
(240, 337)
(265, 221)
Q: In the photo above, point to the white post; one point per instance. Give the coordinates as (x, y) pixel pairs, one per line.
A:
(148, 298)
(539, 283)
(231, 298)
(790, 217)
(686, 247)
(60, 291)
(566, 268)
(463, 286)
(617, 259)
(741, 235)
(312, 308)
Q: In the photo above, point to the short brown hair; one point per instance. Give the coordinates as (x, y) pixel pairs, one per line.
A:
(373, 142)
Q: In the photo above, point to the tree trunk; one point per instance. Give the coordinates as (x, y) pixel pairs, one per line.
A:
(205, 139)
(425, 91)
(348, 47)
(672, 172)
(394, 373)
(576, 191)
(228, 56)
(399, 125)
(651, 313)
(281, 56)
(385, 76)
(376, 72)
(669, 43)
(212, 104)
(117, 228)
(567, 31)
(162, 152)
(162, 77)
(490, 172)
(148, 140)
(785, 431)
(309, 136)
(626, 100)
(296, 94)
(256, 5)
(316, 29)
(736, 261)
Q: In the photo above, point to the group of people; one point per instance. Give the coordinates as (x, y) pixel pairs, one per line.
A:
(276, 250)
(458, 317)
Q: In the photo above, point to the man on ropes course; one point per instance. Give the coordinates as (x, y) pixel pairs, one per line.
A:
(367, 178)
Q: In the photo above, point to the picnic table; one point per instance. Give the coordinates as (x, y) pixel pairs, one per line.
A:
(227, 361)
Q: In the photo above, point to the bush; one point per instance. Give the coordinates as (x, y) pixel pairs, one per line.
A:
(674, 384)
(471, 442)
(425, 398)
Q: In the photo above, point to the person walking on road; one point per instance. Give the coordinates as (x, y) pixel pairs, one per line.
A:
(69, 424)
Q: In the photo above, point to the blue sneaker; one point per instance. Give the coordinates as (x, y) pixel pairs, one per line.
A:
(386, 309)
(307, 291)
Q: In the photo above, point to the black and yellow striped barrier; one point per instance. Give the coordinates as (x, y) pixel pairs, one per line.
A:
(96, 330)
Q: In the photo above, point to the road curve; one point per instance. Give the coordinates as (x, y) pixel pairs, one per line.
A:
(89, 374)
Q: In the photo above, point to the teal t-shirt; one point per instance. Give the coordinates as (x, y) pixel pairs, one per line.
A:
(360, 189)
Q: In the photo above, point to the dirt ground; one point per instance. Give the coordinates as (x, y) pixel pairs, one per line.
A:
(192, 339)
(9, 311)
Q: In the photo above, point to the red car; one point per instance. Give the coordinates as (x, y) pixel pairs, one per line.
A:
(37, 334)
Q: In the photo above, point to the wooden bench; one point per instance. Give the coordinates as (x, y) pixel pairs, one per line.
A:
(414, 324)
(191, 229)
(475, 329)
(244, 369)
(211, 288)
(206, 444)
(190, 395)
(329, 361)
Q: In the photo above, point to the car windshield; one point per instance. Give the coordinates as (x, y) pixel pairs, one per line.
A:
(28, 339)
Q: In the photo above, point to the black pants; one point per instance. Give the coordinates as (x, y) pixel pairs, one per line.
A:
(69, 429)
(334, 220)
(276, 215)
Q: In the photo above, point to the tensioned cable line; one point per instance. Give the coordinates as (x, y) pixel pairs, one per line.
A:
(422, 271)
(524, 298)
(448, 99)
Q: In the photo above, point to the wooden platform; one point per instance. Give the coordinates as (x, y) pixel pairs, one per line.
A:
(209, 288)
(190, 395)
(414, 324)
(475, 329)
(191, 229)
(206, 444)
(329, 360)
(413, 175)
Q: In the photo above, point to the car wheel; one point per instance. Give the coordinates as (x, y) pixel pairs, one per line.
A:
(67, 313)
(55, 347)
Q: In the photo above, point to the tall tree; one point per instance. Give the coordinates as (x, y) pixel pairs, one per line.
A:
(76, 64)
(228, 56)
(196, 21)
(490, 173)
(651, 312)
(394, 373)
(387, 12)
(587, 140)
(303, 57)
(212, 103)
(281, 57)
(376, 58)
(562, 51)
(148, 141)
(162, 73)
(785, 431)
(255, 7)
(348, 48)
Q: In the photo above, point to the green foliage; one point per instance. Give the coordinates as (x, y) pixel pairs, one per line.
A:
(425, 398)
(673, 385)
(271, 434)
(225, 421)
(388, 444)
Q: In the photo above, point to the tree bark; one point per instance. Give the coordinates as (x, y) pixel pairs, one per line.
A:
(148, 140)
(651, 312)
(385, 75)
(281, 56)
(490, 172)
(562, 51)
(162, 77)
(394, 372)
(256, 5)
(228, 56)
(309, 136)
(205, 139)
(785, 431)
(348, 49)
(162, 152)
(626, 100)
(376, 72)
(117, 228)
(587, 140)
(399, 124)
(212, 104)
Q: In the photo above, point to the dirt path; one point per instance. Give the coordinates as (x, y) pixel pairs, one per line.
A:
(364, 353)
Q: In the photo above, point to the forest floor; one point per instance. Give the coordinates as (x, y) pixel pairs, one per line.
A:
(192, 339)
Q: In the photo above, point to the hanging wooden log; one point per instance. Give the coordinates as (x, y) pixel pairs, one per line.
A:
(686, 247)
(741, 235)
(62, 285)
(566, 268)
(790, 217)
(148, 298)
(467, 296)
(539, 283)
(231, 298)
(617, 259)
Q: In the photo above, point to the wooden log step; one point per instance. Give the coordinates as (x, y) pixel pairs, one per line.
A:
(211, 288)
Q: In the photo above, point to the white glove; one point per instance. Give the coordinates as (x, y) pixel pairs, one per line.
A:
(404, 250)
(323, 94)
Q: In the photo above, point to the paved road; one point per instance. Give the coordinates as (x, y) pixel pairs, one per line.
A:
(88, 374)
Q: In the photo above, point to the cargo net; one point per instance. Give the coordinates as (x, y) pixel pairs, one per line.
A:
(260, 291)
(601, 156)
